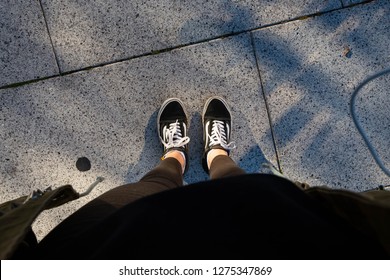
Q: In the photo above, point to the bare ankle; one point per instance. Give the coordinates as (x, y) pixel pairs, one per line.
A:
(179, 156)
(212, 154)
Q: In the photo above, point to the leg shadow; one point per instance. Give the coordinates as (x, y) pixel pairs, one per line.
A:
(195, 172)
(252, 161)
(150, 154)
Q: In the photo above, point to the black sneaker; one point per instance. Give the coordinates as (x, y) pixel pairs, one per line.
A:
(217, 127)
(172, 127)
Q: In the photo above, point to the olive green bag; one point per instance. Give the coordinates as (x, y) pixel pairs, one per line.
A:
(17, 216)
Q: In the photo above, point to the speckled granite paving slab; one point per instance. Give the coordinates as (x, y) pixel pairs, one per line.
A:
(87, 33)
(372, 105)
(310, 69)
(25, 49)
(108, 115)
(351, 2)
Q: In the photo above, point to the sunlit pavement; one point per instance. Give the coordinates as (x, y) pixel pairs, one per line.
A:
(86, 79)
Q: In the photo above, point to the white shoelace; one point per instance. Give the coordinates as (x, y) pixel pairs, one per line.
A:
(218, 136)
(172, 136)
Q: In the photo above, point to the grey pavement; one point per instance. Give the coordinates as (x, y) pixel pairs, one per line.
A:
(86, 78)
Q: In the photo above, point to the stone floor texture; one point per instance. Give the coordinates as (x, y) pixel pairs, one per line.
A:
(86, 79)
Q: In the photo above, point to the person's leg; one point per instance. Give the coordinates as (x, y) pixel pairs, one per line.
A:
(165, 176)
(217, 127)
(223, 166)
(172, 130)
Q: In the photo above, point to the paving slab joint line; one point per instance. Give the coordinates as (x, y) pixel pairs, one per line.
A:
(223, 36)
(266, 104)
(20, 84)
(157, 52)
(88, 68)
(51, 41)
(356, 4)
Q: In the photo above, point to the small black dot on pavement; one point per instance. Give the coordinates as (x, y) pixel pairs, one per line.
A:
(83, 164)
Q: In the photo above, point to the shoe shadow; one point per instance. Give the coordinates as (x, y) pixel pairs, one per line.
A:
(150, 155)
(152, 151)
(251, 161)
(248, 155)
(195, 173)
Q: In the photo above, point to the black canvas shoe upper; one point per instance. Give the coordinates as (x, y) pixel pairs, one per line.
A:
(217, 127)
(172, 127)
